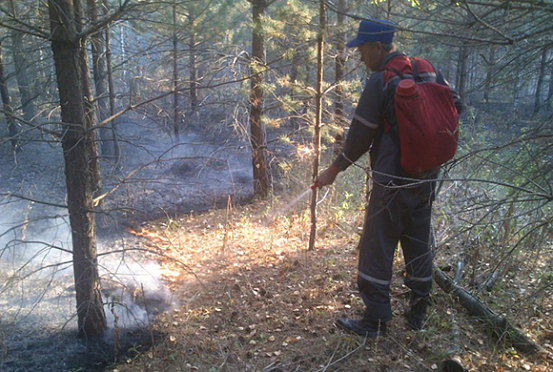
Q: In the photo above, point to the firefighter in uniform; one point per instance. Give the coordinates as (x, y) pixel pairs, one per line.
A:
(400, 207)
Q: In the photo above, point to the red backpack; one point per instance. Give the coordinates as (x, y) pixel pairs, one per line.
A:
(427, 120)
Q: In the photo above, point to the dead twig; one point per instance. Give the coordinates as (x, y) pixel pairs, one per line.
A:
(343, 357)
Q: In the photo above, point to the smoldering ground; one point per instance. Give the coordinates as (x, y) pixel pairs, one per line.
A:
(37, 300)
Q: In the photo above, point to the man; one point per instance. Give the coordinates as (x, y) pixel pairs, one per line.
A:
(400, 207)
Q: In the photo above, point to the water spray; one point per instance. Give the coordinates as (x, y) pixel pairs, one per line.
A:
(291, 204)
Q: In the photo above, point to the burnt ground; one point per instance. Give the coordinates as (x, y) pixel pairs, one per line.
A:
(157, 178)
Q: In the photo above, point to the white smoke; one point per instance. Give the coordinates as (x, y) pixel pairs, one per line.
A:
(133, 292)
(37, 283)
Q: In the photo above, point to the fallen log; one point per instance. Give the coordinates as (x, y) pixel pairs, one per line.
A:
(454, 362)
(499, 325)
(453, 365)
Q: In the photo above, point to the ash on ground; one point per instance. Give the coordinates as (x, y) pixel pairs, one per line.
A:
(155, 179)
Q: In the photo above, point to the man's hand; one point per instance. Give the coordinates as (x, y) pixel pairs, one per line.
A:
(327, 176)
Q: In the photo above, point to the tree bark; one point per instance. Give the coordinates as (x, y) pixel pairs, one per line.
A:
(99, 72)
(541, 76)
(111, 91)
(462, 65)
(549, 99)
(489, 74)
(192, 62)
(23, 73)
(176, 120)
(318, 120)
(8, 111)
(78, 148)
(516, 94)
(340, 66)
(261, 178)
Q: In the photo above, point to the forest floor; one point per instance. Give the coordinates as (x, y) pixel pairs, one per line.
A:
(245, 294)
(252, 298)
(157, 177)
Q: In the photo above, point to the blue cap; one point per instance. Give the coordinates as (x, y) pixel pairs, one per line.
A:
(374, 30)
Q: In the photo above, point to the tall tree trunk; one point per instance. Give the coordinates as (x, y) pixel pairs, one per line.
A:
(296, 119)
(388, 9)
(489, 74)
(318, 120)
(23, 75)
(447, 71)
(99, 72)
(516, 94)
(340, 65)
(192, 61)
(111, 90)
(541, 77)
(261, 180)
(78, 148)
(123, 58)
(8, 111)
(176, 120)
(550, 91)
(88, 100)
(462, 65)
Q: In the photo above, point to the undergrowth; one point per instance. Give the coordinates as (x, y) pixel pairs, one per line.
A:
(252, 298)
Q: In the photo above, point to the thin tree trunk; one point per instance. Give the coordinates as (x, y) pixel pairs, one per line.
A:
(318, 120)
(296, 59)
(516, 94)
(90, 113)
(296, 119)
(8, 111)
(489, 74)
(113, 124)
(472, 73)
(388, 9)
(541, 76)
(261, 180)
(462, 65)
(23, 74)
(340, 66)
(176, 121)
(447, 71)
(192, 62)
(78, 148)
(99, 72)
(549, 99)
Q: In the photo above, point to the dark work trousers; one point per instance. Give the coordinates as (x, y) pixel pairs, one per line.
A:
(395, 214)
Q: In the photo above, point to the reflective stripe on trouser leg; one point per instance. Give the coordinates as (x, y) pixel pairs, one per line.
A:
(376, 296)
(415, 243)
(376, 252)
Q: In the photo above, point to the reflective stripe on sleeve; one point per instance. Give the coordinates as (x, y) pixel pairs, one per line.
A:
(365, 122)
(374, 280)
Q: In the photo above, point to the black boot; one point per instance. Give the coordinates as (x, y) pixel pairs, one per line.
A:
(362, 327)
(416, 315)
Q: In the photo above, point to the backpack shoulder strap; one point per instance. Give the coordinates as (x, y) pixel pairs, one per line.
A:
(388, 67)
(429, 72)
(416, 75)
(399, 74)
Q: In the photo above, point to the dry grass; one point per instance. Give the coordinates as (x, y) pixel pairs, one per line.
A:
(254, 299)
